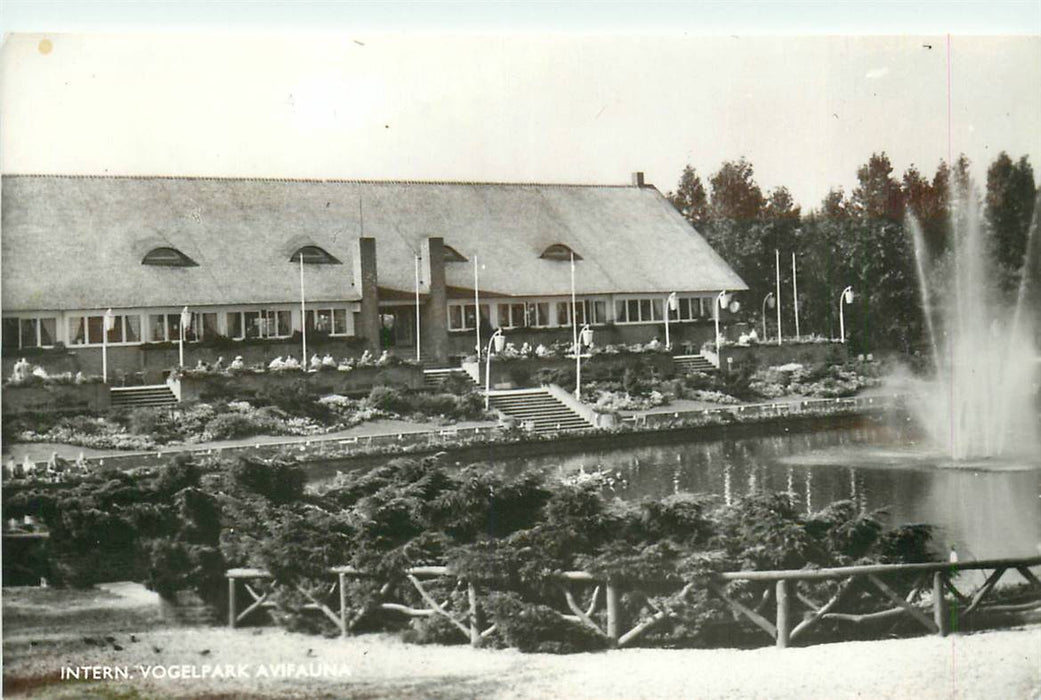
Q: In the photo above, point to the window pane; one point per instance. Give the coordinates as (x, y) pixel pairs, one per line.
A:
(656, 310)
(470, 316)
(619, 312)
(285, 323)
(209, 326)
(340, 321)
(11, 332)
(563, 313)
(517, 315)
(599, 309)
(173, 326)
(28, 333)
(95, 326)
(645, 309)
(503, 312)
(115, 334)
(542, 314)
(133, 328)
(580, 313)
(252, 322)
(234, 320)
(632, 311)
(77, 331)
(157, 323)
(455, 317)
(324, 322)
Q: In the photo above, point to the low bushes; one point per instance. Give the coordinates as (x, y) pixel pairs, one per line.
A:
(511, 534)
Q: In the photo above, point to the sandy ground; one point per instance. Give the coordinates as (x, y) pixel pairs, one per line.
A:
(46, 630)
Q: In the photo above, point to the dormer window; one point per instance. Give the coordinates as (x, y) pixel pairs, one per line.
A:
(453, 255)
(166, 256)
(559, 251)
(313, 255)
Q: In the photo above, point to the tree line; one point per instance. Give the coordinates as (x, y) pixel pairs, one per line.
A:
(860, 239)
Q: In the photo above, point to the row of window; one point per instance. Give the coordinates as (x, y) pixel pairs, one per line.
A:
(277, 323)
(462, 317)
(90, 330)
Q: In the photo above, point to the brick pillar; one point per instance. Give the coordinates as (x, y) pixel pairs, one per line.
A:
(434, 321)
(366, 283)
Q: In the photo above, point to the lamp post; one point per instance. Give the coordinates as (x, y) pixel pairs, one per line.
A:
(418, 328)
(722, 300)
(585, 337)
(303, 315)
(499, 341)
(672, 303)
(770, 301)
(845, 298)
(108, 324)
(186, 318)
(477, 314)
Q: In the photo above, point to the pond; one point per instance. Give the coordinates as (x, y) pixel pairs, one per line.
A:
(984, 509)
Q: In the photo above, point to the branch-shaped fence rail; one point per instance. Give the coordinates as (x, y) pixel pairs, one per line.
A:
(925, 593)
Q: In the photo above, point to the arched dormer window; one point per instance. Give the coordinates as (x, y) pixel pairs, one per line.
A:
(559, 251)
(453, 255)
(313, 255)
(165, 256)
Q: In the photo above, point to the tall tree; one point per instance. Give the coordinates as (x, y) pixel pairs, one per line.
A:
(735, 194)
(691, 198)
(1009, 209)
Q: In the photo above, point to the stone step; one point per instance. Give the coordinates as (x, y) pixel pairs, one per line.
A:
(540, 410)
(156, 395)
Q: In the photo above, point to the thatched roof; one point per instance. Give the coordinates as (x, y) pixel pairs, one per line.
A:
(76, 242)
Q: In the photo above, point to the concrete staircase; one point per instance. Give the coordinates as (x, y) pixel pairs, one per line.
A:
(157, 395)
(433, 377)
(537, 409)
(686, 364)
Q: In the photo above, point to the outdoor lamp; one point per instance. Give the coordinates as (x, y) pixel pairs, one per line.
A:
(734, 306)
(498, 341)
(849, 295)
(586, 335)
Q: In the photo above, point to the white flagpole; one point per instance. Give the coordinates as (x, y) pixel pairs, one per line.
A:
(574, 334)
(303, 316)
(777, 254)
(795, 296)
(477, 311)
(418, 354)
(186, 318)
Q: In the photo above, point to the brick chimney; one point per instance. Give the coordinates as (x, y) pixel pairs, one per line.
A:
(638, 179)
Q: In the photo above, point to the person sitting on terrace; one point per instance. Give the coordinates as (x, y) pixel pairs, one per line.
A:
(218, 366)
(328, 361)
(510, 350)
(21, 372)
(39, 372)
(525, 350)
(201, 366)
(541, 351)
(291, 363)
(365, 359)
(346, 364)
(276, 363)
(316, 362)
(237, 365)
(384, 359)
(655, 344)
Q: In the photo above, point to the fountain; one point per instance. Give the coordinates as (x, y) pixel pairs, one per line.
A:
(981, 405)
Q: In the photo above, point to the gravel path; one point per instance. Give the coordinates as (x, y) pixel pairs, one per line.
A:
(118, 627)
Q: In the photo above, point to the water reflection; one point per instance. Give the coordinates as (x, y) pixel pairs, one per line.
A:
(985, 511)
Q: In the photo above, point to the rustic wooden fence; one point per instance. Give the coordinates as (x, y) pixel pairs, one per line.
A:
(925, 593)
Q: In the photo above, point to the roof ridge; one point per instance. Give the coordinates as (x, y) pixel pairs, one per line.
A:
(353, 181)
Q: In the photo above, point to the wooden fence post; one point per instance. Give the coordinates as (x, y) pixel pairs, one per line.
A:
(343, 604)
(231, 602)
(475, 620)
(939, 604)
(614, 612)
(783, 624)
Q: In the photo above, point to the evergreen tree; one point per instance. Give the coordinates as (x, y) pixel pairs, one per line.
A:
(690, 198)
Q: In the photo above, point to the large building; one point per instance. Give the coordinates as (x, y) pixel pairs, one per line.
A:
(375, 255)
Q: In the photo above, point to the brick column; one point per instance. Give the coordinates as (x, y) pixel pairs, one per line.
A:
(434, 321)
(366, 283)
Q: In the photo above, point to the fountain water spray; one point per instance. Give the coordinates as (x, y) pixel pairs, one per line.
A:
(982, 402)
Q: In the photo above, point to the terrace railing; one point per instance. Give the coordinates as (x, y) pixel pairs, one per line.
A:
(925, 593)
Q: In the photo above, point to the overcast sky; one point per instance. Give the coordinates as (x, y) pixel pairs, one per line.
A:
(806, 111)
